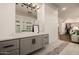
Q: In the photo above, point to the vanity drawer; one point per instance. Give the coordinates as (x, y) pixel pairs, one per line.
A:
(14, 52)
(9, 45)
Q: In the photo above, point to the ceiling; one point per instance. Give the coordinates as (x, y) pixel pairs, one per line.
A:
(71, 10)
(61, 5)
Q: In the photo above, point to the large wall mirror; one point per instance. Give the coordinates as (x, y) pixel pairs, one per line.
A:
(26, 16)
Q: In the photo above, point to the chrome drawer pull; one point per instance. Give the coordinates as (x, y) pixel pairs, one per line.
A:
(8, 46)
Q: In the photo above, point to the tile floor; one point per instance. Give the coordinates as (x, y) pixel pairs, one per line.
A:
(69, 49)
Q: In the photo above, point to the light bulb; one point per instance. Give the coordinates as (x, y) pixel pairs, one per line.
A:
(64, 8)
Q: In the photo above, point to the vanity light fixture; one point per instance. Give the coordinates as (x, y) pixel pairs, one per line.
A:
(29, 5)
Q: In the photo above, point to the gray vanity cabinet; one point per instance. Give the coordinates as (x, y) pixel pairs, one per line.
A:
(45, 39)
(25, 45)
(32, 43)
(37, 44)
(9, 47)
(14, 52)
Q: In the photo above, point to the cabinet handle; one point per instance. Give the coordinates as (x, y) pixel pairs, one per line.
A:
(33, 41)
(8, 46)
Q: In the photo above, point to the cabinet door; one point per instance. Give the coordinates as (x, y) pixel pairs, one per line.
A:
(45, 39)
(36, 43)
(25, 46)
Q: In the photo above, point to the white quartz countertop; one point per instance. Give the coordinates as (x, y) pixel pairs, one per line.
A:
(19, 35)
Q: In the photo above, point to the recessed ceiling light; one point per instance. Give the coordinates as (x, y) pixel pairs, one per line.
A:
(64, 8)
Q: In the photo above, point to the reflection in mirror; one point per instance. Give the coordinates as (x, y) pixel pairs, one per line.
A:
(26, 16)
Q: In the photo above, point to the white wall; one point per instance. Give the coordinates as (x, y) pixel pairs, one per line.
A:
(51, 21)
(7, 19)
(48, 20)
(41, 17)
